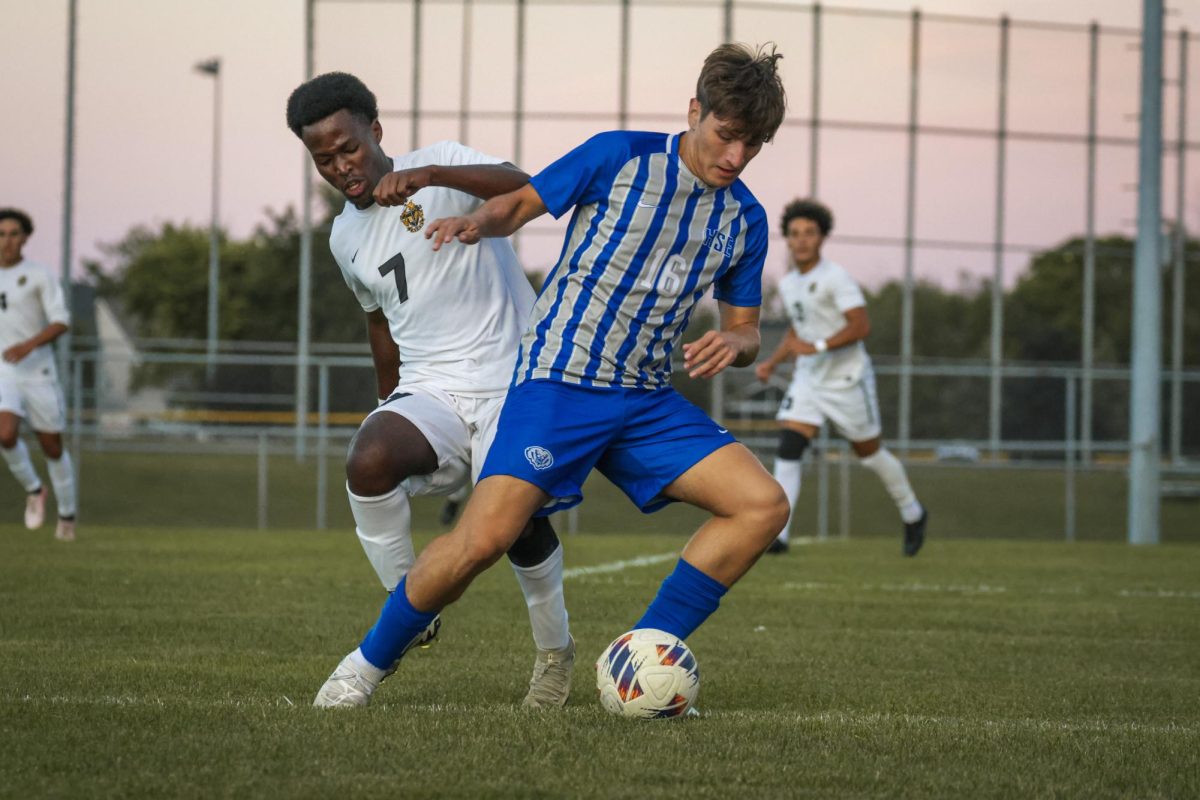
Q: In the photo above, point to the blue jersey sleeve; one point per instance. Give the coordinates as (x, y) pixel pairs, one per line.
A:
(741, 285)
(583, 175)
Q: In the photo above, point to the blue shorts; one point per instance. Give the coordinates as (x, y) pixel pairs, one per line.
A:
(552, 434)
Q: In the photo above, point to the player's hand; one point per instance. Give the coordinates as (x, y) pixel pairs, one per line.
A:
(395, 188)
(711, 353)
(804, 348)
(764, 370)
(17, 352)
(449, 229)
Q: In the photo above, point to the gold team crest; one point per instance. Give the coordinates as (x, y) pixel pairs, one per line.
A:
(413, 216)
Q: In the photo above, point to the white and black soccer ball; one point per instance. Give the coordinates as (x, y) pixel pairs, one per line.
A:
(647, 674)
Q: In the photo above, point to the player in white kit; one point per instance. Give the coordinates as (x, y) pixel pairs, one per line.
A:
(33, 314)
(832, 379)
(443, 328)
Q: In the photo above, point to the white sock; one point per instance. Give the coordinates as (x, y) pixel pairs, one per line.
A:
(372, 672)
(21, 466)
(788, 472)
(895, 480)
(62, 477)
(542, 585)
(383, 525)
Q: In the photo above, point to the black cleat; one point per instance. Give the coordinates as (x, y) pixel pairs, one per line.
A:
(449, 512)
(914, 534)
(777, 547)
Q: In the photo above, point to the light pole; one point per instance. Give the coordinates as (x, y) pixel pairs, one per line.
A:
(212, 67)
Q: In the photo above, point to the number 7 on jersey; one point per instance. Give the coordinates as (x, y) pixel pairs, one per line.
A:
(395, 265)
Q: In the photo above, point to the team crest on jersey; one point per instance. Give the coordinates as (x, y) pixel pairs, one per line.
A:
(21, 280)
(539, 457)
(812, 288)
(413, 216)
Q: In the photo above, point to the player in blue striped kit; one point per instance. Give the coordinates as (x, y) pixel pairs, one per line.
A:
(657, 220)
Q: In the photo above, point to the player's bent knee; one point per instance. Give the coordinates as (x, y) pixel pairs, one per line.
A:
(792, 445)
(766, 511)
(535, 544)
(371, 468)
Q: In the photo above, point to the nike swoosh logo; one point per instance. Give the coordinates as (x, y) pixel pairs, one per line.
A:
(646, 205)
(353, 256)
(722, 430)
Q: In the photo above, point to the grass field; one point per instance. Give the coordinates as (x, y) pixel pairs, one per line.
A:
(182, 662)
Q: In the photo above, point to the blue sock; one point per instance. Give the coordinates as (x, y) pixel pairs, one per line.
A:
(399, 623)
(686, 598)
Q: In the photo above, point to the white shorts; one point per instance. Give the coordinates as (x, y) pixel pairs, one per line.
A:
(39, 401)
(459, 428)
(853, 409)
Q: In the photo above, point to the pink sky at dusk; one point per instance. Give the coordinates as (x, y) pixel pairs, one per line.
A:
(144, 117)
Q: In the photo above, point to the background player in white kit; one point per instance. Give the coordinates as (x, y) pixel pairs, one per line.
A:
(443, 329)
(833, 379)
(33, 314)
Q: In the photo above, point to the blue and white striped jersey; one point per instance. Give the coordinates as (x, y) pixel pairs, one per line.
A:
(646, 241)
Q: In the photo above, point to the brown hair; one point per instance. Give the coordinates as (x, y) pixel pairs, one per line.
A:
(742, 85)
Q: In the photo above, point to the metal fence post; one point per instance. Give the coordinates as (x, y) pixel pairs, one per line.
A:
(997, 344)
(823, 486)
(844, 475)
(1180, 266)
(1089, 246)
(815, 111)
(1069, 455)
(262, 481)
(910, 217)
(322, 442)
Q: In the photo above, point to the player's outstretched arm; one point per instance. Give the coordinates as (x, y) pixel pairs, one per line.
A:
(500, 216)
(484, 181)
(735, 344)
(783, 352)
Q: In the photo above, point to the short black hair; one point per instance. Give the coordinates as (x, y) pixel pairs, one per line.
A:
(327, 94)
(20, 216)
(807, 209)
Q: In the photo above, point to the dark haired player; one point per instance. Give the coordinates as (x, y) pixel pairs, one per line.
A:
(655, 220)
(33, 314)
(833, 379)
(443, 328)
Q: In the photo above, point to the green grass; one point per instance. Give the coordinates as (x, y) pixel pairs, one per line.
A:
(181, 662)
(220, 490)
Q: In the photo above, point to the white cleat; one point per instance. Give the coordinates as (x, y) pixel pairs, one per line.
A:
(350, 685)
(65, 532)
(35, 509)
(550, 685)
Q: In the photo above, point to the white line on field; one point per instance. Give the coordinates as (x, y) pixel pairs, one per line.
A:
(827, 718)
(645, 561)
(618, 566)
(984, 588)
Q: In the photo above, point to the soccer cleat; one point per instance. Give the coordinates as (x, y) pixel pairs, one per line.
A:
(550, 685)
(350, 685)
(449, 512)
(35, 509)
(914, 534)
(65, 532)
(777, 547)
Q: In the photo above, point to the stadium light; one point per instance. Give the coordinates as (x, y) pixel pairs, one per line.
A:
(212, 68)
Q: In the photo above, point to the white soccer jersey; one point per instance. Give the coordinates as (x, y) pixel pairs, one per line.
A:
(30, 299)
(816, 302)
(456, 314)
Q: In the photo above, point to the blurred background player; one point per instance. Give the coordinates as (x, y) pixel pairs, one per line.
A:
(832, 379)
(33, 313)
(656, 219)
(443, 328)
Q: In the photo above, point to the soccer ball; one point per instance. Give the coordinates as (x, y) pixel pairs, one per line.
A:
(647, 674)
